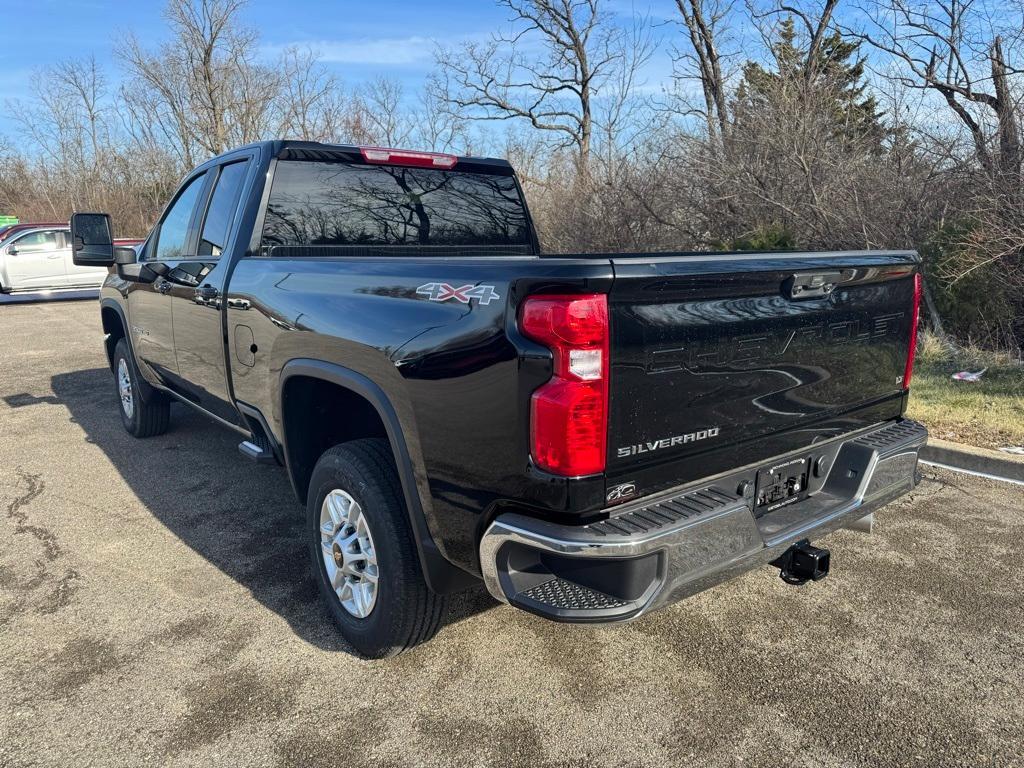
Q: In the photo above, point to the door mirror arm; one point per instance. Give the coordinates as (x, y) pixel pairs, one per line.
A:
(134, 271)
(125, 255)
(140, 272)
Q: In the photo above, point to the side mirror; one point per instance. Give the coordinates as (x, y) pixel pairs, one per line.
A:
(12, 251)
(92, 243)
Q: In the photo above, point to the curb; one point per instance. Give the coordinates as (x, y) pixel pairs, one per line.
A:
(971, 459)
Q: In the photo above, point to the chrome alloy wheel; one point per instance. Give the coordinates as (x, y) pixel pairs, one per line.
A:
(349, 556)
(124, 388)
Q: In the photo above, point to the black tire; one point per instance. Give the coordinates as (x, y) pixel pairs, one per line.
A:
(406, 611)
(148, 417)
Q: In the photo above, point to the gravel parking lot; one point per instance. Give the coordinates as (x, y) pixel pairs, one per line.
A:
(155, 609)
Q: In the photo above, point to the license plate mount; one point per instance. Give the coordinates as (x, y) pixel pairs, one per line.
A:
(781, 484)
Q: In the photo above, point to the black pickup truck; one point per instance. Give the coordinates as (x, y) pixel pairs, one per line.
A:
(595, 435)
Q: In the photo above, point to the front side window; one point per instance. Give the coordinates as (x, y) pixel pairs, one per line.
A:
(347, 204)
(222, 207)
(173, 235)
(37, 241)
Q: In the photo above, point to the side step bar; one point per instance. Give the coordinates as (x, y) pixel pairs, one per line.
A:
(252, 450)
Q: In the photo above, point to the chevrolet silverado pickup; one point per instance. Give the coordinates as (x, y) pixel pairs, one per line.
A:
(595, 436)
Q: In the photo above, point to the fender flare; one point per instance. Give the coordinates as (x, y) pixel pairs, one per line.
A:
(145, 388)
(442, 576)
(119, 311)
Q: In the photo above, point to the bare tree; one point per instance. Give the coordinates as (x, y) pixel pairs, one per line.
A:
(549, 72)
(958, 50)
(203, 91)
(312, 102)
(69, 119)
(703, 21)
(437, 128)
(384, 118)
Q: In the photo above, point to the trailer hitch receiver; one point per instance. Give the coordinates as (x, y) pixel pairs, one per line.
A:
(802, 563)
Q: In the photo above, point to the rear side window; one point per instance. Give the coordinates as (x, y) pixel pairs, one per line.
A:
(342, 204)
(222, 207)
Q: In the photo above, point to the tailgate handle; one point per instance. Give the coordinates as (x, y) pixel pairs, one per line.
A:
(814, 285)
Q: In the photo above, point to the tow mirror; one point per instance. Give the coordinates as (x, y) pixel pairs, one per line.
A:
(92, 244)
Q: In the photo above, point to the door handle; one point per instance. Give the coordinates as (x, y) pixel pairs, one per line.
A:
(56, 256)
(207, 292)
(814, 285)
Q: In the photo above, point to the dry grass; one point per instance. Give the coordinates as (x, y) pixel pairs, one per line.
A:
(988, 413)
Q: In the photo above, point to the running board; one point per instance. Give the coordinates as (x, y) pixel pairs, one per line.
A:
(256, 452)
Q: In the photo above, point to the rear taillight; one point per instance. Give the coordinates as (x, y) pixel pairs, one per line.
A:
(569, 414)
(914, 318)
(387, 156)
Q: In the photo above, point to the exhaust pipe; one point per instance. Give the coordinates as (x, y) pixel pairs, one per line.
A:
(802, 563)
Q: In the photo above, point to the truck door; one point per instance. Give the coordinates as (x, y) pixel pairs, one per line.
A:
(196, 285)
(35, 260)
(149, 303)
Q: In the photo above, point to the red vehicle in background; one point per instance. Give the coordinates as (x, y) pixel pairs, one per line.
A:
(11, 230)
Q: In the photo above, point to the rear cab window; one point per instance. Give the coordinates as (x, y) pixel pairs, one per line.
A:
(342, 208)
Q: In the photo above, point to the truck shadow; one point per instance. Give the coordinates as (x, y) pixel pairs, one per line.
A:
(241, 517)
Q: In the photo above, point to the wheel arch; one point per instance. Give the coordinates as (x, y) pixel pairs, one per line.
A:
(114, 328)
(442, 575)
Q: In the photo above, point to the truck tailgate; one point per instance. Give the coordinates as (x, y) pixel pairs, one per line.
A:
(718, 360)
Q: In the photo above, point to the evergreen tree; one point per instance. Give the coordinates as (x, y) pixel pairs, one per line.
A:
(835, 78)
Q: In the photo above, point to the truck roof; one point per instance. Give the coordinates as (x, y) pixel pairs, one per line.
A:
(294, 149)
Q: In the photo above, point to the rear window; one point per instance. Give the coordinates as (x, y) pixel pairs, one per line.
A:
(344, 204)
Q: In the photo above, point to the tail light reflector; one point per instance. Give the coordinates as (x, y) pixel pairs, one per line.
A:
(569, 413)
(915, 318)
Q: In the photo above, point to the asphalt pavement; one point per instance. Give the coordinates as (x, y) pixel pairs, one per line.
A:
(155, 609)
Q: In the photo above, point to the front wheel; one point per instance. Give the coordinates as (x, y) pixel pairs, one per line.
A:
(363, 555)
(141, 418)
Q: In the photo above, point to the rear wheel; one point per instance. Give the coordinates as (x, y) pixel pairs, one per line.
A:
(141, 418)
(363, 555)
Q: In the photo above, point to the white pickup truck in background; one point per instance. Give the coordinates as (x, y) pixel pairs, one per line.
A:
(40, 258)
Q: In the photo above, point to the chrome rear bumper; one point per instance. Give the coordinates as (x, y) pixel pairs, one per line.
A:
(664, 548)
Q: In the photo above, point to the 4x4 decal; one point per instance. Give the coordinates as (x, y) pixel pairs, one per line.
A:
(484, 294)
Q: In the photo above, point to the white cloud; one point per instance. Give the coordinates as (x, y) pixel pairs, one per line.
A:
(396, 51)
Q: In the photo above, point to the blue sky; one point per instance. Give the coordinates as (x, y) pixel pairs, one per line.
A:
(358, 40)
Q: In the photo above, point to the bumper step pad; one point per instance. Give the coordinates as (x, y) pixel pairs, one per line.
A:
(665, 512)
(894, 435)
(568, 596)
